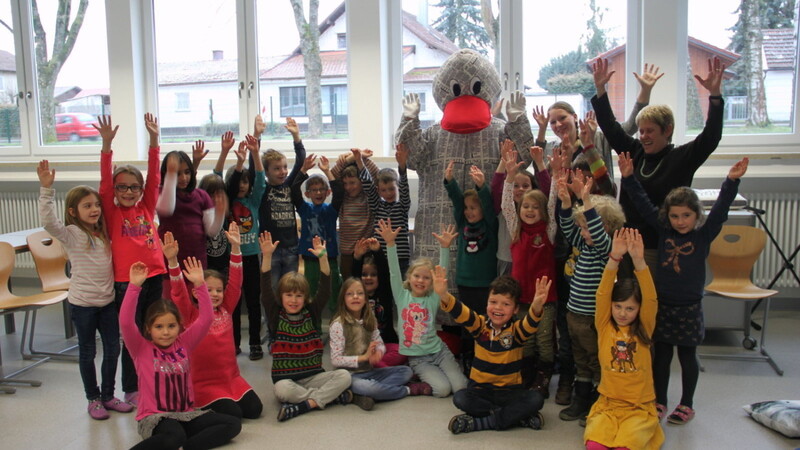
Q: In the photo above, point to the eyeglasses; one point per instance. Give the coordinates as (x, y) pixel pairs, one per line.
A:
(318, 191)
(121, 188)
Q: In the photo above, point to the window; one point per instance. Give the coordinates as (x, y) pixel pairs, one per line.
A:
(182, 101)
(293, 101)
(282, 67)
(758, 44)
(200, 61)
(559, 69)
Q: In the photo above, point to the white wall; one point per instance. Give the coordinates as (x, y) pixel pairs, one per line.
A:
(779, 88)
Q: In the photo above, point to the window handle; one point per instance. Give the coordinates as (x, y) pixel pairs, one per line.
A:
(241, 88)
(505, 81)
(516, 80)
(29, 94)
(250, 88)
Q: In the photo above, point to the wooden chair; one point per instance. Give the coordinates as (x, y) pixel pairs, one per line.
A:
(10, 303)
(732, 256)
(51, 265)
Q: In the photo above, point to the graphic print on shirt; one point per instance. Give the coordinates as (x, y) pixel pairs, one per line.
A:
(675, 251)
(622, 356)
(281, 207)
(315, 228)
(140, 227)
(379, 311)
(217, 246)
(171, 384)
(474, 238)
(415, 323)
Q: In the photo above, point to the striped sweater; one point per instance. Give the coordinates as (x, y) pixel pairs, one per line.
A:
(396, 211)
(498, 353)
(355, 217)
(591, 261)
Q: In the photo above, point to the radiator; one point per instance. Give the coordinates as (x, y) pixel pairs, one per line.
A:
(783, 219)
(20, 211)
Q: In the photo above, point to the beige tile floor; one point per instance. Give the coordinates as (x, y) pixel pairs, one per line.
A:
(54, 415)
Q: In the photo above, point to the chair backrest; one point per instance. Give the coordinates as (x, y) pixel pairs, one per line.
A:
(50, 260)
(733, 254)
(7, 257)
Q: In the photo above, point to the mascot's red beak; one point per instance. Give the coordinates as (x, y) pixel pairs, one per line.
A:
(466, 114)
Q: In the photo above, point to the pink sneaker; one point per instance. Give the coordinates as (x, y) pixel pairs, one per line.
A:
(118, 405)
(97, 411)
(132, 398)
(420, 388)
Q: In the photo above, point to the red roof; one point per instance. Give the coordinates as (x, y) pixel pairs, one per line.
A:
(780, 47)
(420, 74)
(725, 56)
(334, 64)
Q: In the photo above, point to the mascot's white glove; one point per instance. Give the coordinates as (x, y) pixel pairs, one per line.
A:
(515, 106)
(411, 106)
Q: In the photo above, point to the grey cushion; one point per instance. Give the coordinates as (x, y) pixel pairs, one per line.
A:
(782, 416)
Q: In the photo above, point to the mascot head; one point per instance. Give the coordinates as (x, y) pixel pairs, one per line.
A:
(465, 88)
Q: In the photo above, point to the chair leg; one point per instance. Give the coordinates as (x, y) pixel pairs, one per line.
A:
(7, 379)
(30, 317)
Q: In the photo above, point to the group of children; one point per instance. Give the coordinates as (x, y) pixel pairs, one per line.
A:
(552, 241)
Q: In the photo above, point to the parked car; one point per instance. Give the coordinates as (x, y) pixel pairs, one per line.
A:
(76, 127)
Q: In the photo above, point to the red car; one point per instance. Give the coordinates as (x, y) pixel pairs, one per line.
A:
(76, 127)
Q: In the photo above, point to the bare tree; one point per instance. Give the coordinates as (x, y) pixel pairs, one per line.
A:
(66, 34)
(492, 25)
(312, 63)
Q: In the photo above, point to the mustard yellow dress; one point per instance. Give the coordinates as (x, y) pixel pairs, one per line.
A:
(625, 413)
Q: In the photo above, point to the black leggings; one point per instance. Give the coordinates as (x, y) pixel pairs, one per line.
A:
(249, 407)
(690, 371)
(207, 431)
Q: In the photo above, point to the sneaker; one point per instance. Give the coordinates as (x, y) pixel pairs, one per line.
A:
(420, 388)
(97, 411)
(682, 415)
(345, 397)
(661, 410)
(256, 353)
(535, 421)
(582, 421)
(117, 405)
(289, 410)
(462, 423)
(132, 398)
(363, 402)
(238, 351)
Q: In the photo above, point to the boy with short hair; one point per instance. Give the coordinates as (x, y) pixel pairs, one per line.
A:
(495, 399)
(318, 218)
(385, 203)
(355, 220)
(276, 213)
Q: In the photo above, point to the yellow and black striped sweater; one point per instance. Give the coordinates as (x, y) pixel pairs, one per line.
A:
(498, 353)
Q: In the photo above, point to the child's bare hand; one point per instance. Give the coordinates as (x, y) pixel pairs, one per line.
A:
(563, 192)
(374, 244)
(401, 155)
(635, 244)
(440, 281)
(477, 176)
(151, 123)
(241, 154)
(138, 273)
(448, 172)
(173, 163)
(388, 234)
(253, 144)
(199, 151)
(360, 249)
(107, 131)
(537, 155)
(447, 235)
(292, 127)
(309, 162)
(259, 126)
(267, 246)
(539, 116)
(318, 247)
(323, 164)
(625, 164)
(542, 290)
(170, 247)
(233, 235)
(46, 175)
(367, 153)
(193, 271)
(577, 183)
(619, 244)
(510, 159)
(738, 170)
(226, 142)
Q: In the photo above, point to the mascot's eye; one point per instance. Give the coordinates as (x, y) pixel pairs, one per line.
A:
(475, 83)
(455, 88)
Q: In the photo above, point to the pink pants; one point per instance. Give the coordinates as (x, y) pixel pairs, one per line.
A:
(392, 357)
(592, 445)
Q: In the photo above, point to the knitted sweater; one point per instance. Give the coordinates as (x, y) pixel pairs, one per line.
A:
(591, 260)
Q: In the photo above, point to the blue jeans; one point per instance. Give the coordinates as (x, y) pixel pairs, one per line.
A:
(387, 383)
(88, 320)
(440, 370)
(284, 260)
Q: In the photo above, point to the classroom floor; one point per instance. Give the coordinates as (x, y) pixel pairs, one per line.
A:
(54, 414)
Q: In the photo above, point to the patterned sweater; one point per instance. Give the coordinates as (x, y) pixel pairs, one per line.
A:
(591, 261)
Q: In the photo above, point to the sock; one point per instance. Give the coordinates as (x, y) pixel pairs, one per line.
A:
(484, 423)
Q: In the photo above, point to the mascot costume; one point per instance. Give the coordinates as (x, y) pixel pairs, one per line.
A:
(465, 88)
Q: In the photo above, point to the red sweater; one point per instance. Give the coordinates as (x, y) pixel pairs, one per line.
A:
(215, 372)
(532, 257)
(132, 230)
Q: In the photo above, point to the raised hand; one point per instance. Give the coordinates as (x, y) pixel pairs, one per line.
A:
(388, 234)
(259, 126)
(293, 129)
(588, 129)
(107, 131)
(448, 172)
(138, 273)
(198, 152)
(151, 123)
(323, 164)
(447, 235)
(736, 172)
(241, 154)
(635, 246)
(649, 77)
(539, 116)
(366, 153)
(233, 235)
(173, 163)
(540, 295)
(713, 81)
(360, 249)
(265, 243)
(563, 191)
(537, 155)
(625, 164)
(440, 281)
(577, 182)
(601, 75)
(512, 165)
(411, 106)
(477, 176)
(558, 160)
(515, 108)
(401, 155)
(619, 244)
(193, 271)
(220, 203)
(252, 145)
(309, 162)
(226, 142)
(373, 244)
(169, 246)
(46, 175)
(317, 247)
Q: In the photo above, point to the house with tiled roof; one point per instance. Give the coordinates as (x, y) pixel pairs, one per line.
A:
(190, 92)
(8, 77)
(779, 64)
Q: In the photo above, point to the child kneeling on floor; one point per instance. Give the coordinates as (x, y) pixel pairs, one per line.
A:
(495, 399)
